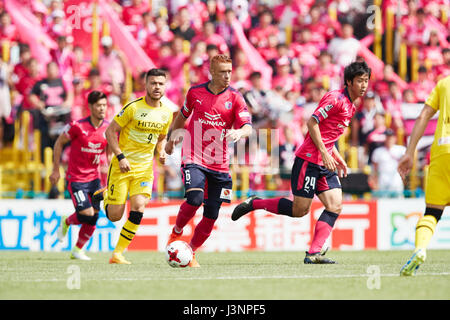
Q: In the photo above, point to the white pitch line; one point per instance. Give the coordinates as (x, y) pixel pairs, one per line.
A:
(242, 277)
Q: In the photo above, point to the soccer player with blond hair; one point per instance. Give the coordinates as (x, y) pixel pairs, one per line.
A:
(218, 115)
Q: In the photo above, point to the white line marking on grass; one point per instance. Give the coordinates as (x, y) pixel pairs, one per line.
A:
(327, 276)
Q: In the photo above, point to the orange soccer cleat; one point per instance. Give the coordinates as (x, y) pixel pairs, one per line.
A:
(174, 236)
(194, 263)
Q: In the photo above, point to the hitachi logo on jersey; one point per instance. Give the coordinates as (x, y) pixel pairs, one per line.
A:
(149, 124)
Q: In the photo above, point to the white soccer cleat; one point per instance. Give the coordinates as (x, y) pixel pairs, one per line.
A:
(79, 255)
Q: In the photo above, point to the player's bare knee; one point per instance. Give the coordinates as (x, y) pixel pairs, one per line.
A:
(335, 208)
(114, 213)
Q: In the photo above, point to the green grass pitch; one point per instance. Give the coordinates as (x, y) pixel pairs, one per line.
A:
(223, 276)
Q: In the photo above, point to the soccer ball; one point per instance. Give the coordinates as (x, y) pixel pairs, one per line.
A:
(179, 254)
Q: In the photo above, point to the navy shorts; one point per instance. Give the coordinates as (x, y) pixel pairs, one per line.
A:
(216, 185)
(309, 178)
(81, 193)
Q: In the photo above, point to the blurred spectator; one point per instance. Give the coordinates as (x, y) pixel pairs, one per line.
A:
(48, 93)
(58, 26)
(5, 102)
(286, 12)
(198, 73)
(209, 36)
(284, 80)
(417, 34)
(154, 40)
(443, 70)
(146, 28)
(225, 30)
(432, 52)
(182, 25)
(287, 150)
(239, 79)
(259, 35)
(306, 51)
(423, 86)
(344, 48)
(376, 137)
(132, 15)
(363, 121)
(322, 30)
(258, 101)
(392, 105)
(384, 163)
(20, 69)
(381, 86)
(81, 66)
(198, 13)
(409, 96)
(8, 31)
(174, 63)
(111, 64)
(65, 58)
(326, 73)
(26, 83)
(270, 52)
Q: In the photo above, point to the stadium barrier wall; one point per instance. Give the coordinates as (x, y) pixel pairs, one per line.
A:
(384, 224)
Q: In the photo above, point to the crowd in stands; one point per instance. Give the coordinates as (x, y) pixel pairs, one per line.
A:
(306, 46)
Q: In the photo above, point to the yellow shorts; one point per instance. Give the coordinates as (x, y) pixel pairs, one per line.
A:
(139, 180)
(437, 188)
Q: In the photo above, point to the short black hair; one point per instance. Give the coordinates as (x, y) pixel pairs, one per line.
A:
(355, 69)
(95, 96)
(155, 72)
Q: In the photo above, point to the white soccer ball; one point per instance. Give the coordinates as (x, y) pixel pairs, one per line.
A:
(179, 254)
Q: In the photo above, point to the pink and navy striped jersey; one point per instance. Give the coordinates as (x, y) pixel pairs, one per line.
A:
(211, 116)
(87, 144)
(333, 114)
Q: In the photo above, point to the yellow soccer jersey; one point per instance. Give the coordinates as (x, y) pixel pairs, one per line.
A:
(141, 127)
(439, 99)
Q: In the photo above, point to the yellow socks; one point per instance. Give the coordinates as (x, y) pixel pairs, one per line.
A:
(424, 231)
(128, 231)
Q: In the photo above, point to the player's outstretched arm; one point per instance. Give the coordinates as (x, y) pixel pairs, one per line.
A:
(237, 134)
(57, 151)
(406, 162)
(160, 148)
(174, 136)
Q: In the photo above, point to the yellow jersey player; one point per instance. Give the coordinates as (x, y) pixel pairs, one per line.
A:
(437, 188)
(142, 126)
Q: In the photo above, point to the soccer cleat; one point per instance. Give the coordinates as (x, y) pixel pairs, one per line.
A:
(194, 263)
(79, 254)
(62, 229)
(317, 258)
(243, 208)
(411, 266)
(118, 258)
(98, 196)
(174, 236)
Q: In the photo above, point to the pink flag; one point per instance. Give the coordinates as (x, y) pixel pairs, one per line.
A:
(30, 31)
(137, 59)
(257, 63)
(377, 66)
